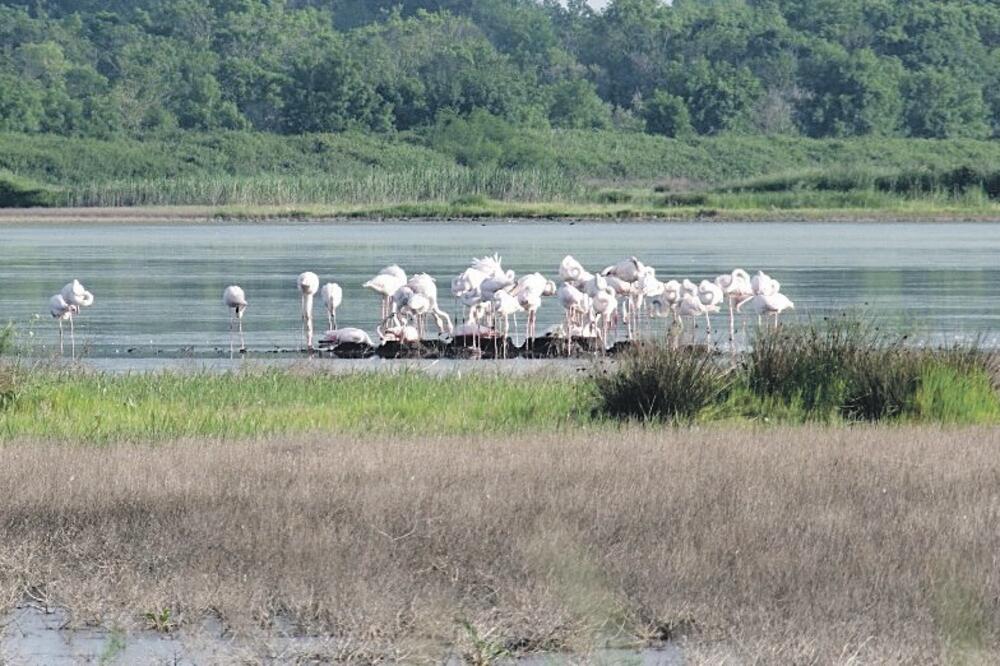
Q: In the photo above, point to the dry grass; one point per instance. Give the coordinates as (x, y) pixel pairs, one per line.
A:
(807, 545)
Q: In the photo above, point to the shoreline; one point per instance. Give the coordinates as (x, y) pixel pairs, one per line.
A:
(496, 212)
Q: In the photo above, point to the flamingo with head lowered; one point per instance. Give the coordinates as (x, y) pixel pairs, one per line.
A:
(235, 299)
(308, 285)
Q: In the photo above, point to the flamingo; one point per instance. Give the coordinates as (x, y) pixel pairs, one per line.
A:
(347, 335)
(530, 300)
(762, 283)
(768, 303)
(505, 305)
(308, 284)
(630, 270)
(234, 299)
(736, 286)
(570, 270)
(388, 280)
(691, 306)
(74, 293)
(710, 295)
(60, 311)
(404, 333)
(603, 306)
(424, 284)
(332, 296)
(576, 304)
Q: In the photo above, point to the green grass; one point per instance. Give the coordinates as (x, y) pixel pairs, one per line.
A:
(568, 173)
(104, 408)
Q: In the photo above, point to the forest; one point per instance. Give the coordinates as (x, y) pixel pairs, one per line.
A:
(109, 69)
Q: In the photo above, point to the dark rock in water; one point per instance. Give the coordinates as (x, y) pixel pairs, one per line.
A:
(547, 347)
(409, 350)
(489, 348)
(620, 348)
(353, 350)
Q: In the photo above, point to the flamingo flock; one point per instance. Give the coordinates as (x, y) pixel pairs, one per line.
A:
(619, 301)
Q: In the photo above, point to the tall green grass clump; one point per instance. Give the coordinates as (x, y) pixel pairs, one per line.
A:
(661, 383)
(847, 366)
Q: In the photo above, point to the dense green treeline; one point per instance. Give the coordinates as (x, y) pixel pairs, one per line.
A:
(819, 68)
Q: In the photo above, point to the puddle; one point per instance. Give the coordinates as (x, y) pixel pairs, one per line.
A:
(32, 635)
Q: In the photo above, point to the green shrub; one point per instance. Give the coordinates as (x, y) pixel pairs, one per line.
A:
(659, 383)
(18, 192)
(848, 366)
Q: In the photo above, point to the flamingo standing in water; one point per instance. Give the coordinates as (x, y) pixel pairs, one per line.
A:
(768, 304)
(235, 299)
(61, 311)
(75, 296)
(736, 287)
(388, 280)
(308, 284)
(332, 296)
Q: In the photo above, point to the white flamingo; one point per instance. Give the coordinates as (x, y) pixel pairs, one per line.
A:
(422, 283)
(348, 335)
(572, 271)
(630, 269)
(332, 296)
(506, 306)
(603, 306)
(690, 306)
(736, 287)
(385, 284)
(577, 305)
(235, 299)
(710, 295)
(308, 285)
(74, 293)
(61, 311)
(768, 304)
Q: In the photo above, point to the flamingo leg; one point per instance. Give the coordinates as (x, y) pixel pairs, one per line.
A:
(243, 342)
(231, 317)
(334, 320)
(61, 348)
(732, 324)
(72, 338)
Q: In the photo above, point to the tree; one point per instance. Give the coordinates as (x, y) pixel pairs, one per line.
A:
(668, 115)
(849, 94)
(576, 105)
(941, 104)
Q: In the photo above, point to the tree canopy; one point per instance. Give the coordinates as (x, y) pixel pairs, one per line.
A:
(822, 68)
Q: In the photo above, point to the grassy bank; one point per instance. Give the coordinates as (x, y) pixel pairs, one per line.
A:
(566, 174)
(96, 407)
(787, 545)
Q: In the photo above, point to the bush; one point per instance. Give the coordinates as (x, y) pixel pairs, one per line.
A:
(17, 192)
(668, 115)
(658, 383)
(848, 366)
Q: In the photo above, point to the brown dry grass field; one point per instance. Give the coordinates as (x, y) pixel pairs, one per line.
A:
(773, 545)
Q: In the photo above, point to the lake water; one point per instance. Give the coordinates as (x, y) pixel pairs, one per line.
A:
(158, 288)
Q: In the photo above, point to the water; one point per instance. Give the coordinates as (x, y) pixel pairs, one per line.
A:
(158, 288)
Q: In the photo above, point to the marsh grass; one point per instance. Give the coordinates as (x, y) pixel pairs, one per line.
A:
(653, 382)
(780, 545)
(844, 367)
(97, 407)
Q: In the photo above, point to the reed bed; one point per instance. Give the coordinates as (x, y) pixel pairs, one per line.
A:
(779, 545)
(373, 186)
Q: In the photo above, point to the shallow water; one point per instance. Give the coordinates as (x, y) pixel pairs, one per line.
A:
(158, 288)
(32, 635)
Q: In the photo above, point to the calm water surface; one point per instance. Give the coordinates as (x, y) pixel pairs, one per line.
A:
(158, 288)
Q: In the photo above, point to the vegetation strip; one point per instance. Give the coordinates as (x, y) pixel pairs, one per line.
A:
(786, 544)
